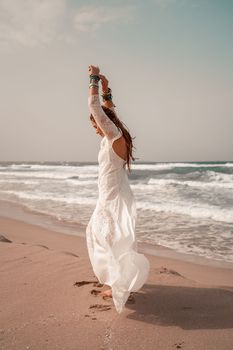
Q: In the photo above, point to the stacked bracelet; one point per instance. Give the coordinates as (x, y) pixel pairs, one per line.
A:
(94, 85)
(107, 96)
(94, 80)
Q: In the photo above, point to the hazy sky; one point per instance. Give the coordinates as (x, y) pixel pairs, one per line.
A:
(169, 64)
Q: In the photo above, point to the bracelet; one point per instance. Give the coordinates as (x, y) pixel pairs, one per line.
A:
(107, 96)
(94, 81)
(94, 85)
(108, 92)
(94, 77)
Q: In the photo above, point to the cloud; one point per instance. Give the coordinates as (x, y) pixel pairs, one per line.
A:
(90, 19)
(30, 22)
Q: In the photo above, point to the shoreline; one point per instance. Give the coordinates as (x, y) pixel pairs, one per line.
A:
(42, 307)
(21, 212)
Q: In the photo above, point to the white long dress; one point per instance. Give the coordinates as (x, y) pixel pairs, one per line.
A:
(110, 233)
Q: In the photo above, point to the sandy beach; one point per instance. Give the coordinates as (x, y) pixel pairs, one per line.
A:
(49, 300)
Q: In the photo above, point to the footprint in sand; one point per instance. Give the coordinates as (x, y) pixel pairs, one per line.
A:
(72, 254)
(95, 291)
(82, 283)
(169, 271)
(97, 284)
(4, 239)
(100, 307)
(130, 300)
(178, 345)
(93, 318)
(41, 245)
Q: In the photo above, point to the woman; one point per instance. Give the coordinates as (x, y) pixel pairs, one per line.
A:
(110, 233)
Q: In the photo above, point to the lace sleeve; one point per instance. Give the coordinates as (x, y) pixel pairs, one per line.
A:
(101, 118)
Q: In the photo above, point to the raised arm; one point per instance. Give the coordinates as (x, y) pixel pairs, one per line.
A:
(107, 94)
(104, 122)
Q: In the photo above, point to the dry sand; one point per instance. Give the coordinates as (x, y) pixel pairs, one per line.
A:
(184, 305)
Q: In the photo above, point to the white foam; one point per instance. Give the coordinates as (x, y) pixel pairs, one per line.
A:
(188, 208)
(213, 184)
(42, 167)
(50, 196)
(20, 181)
(81, 182)
(216, 176)
(44, 174)
(81, 176)
(159, 166)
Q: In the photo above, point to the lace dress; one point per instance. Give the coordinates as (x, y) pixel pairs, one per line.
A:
(110, 233)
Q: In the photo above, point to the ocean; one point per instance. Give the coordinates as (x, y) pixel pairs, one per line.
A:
(187, 207)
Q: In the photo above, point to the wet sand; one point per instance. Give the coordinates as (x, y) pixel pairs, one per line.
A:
(49, 295)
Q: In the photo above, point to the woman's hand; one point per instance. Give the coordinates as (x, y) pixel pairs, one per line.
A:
(104, 83)
(93, 70)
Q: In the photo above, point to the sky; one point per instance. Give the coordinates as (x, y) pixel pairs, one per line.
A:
(169, 64)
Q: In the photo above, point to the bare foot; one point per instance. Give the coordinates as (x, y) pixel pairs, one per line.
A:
(107, 293)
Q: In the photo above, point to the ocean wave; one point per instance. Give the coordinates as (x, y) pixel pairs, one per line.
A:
(159, 166)
(44, 175)
(213, 184)
(50, 196)
(47, 167)
(20, 181)
(81, 182)
(216, 176)
(94, 176)
(191, 209)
